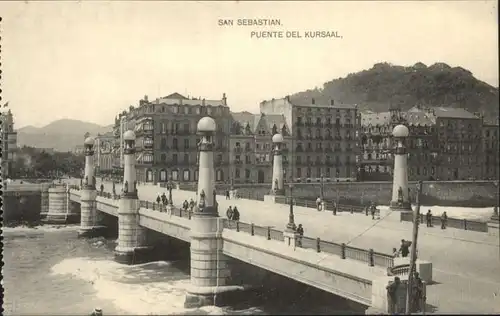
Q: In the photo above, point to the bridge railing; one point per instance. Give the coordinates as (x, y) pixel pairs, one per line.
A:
(371, 257)
(309, 203)
(465, 224)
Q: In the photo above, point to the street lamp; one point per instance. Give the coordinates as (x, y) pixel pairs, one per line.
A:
(322, 187)
(291, 223)
(495, 209)
(170, 186)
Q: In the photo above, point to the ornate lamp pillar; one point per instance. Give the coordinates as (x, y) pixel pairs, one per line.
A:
(209, 271)
(131, 237)
(277, 180)
(400, 193)
(89, 215)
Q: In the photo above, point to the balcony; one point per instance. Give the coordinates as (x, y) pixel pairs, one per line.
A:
(299, 149)
(319, 150)
(248, 149)
(300, 137)
(238, 162)
(238, 150)
(338, 137)
(319, 137)
(328, 137)
(318, 124)
(329, 150)
(329, 125)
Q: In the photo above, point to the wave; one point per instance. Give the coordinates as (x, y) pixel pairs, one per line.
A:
(152, 288)
(41, 228)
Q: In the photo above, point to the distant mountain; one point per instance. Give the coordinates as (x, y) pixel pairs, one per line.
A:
(61, 135)
(437, 85)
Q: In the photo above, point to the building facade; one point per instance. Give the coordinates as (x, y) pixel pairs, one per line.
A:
(166, 137)
(324, 138)
(104, 157)
(490, 149)
(444, 144)
(251, 149)
(9, 142)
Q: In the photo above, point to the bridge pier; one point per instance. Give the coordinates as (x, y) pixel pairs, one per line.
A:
(400, 191)
(210, 271)
(58, 208)
(89, 221)
(277, 188)
(131, 248)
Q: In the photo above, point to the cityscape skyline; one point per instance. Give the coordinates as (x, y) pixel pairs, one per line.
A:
(105, 73)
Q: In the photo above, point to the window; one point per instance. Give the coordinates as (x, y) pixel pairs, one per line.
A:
(148, 158)
(163, 143)
(163, 128)
(174, 158)
(299, 173)
(247, 173)
(163, 175)
(186, 143)
(185, 175)
(163, 157)
(299, 160)
(237, 173)
(174, 144)
(186, 110)
(186, 158)
(219, 175)
(186, 128)
(175, 175)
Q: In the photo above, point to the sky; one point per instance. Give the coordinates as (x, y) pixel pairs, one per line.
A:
(91, 60)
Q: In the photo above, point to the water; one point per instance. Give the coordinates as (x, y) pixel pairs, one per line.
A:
(49, 271)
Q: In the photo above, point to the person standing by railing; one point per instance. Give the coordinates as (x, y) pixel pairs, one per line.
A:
(300, 231)
(236, 214)
(318, 203)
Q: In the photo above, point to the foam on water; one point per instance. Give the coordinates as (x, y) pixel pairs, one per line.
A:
(42, 228)
(139, 289)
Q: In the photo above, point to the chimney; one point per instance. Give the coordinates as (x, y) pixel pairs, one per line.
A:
(224, 99)
(313, 101)
(203, 102)
(332, 102)
(146, 98)
(287, 98)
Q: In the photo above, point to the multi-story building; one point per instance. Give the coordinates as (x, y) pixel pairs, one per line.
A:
(104, 157)
(9, 142)
(444, 144)
(376, 161)
(166, 137)
(490, 149)
(251, 148)
(324, 138)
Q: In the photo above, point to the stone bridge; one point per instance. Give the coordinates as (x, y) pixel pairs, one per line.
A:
(335, 268)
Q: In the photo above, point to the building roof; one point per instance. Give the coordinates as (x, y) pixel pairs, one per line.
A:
(373, 119)
(177, 98)
(419, 118)
(255, 120)
(321, 103)
(446, 112)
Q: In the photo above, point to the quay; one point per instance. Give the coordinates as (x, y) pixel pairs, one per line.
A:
(347, 255)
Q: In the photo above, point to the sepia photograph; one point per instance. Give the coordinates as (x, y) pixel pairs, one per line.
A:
(249, 157)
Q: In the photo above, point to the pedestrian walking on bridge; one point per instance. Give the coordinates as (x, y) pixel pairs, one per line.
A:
(444, 220)
(428, 218)
(236, 214)
(405, 248)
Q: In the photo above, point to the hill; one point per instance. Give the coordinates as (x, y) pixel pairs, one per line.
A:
(61, 135)
(437, 85)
